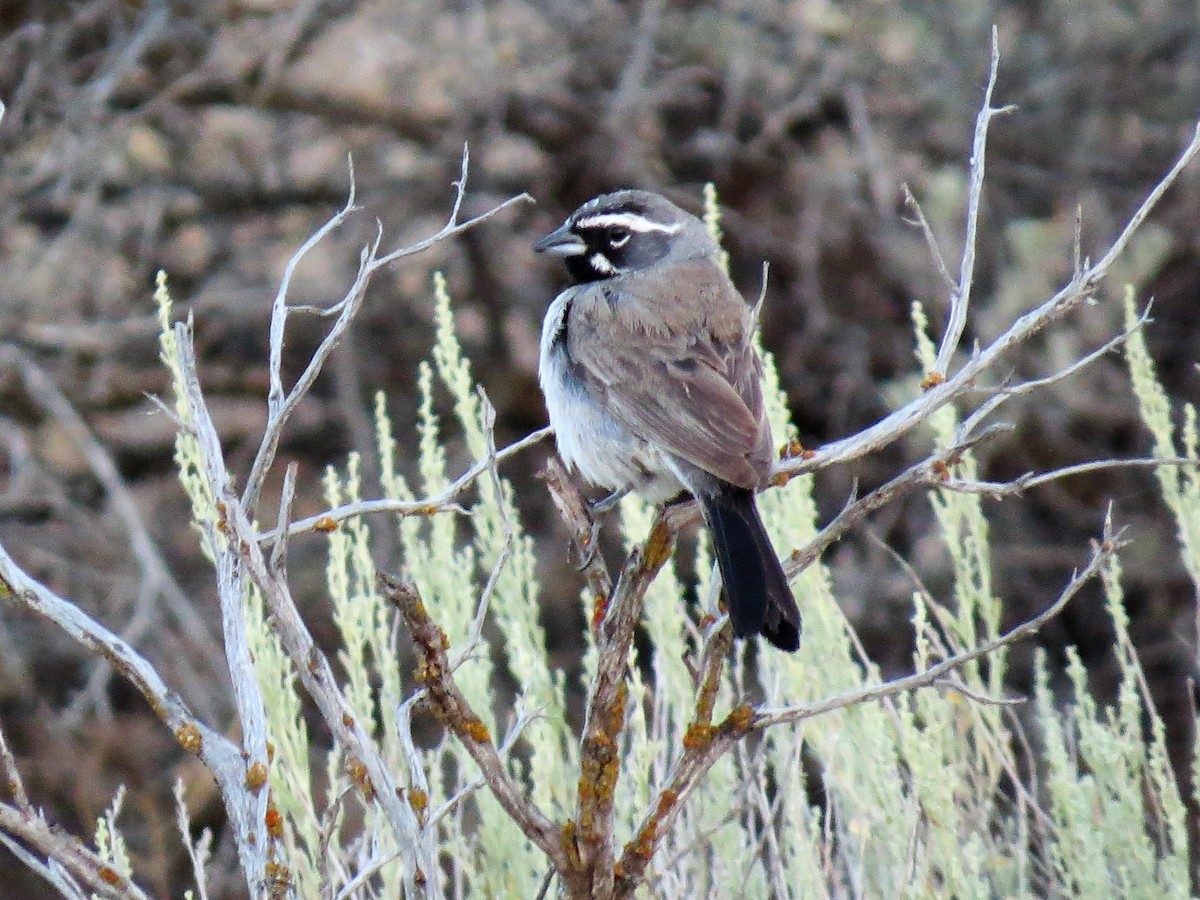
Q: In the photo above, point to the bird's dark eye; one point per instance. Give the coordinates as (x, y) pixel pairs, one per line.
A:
(618, 237)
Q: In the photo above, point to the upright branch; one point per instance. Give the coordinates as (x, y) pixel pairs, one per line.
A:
(589, 839)
(243, 772)
(573, 510)
(706, 744)
(960, 296)
(316, 673)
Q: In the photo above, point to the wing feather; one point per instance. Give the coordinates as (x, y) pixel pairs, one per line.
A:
(692, 389)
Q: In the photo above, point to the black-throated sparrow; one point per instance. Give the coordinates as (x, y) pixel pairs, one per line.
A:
(653, 384)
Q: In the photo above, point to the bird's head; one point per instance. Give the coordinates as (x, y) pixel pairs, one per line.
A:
(623, 232)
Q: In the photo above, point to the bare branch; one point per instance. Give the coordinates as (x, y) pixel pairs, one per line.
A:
(1081, 286)
(1031, 480)
(765, 718)
(456, 712)
(198, 852)
(242, 555)
(589, 839)
(709, 746)
(961, 297)
(69, 852)
(443, 502)
(282, 403)
(220, 756)
(12, 777)
(160, 582)
(935, 251)
(286, 498)
(574, 512)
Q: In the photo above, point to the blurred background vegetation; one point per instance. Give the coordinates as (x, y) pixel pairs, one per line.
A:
(210, 139)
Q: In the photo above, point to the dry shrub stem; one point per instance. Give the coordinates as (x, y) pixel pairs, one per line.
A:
(581, 850)
(240, 555)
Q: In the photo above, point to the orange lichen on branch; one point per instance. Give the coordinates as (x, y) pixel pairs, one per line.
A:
(274, 821)
(932, 380)
(647, 839)
(359, 775)
(793, 449)
(279, 878)
(189, 738)
(256, 776)
(739, 720)
(476, 730)
(659, 545)
(599, 611)
(325, 525)
(616, 712)
(570, 844)
(419, 801)
(666, 802)
(698, 736)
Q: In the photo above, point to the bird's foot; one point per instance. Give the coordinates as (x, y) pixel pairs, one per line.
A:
(606, 504)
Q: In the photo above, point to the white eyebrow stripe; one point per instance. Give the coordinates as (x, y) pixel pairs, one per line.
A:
(632, 221)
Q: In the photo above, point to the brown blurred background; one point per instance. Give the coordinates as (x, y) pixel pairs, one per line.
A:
(210, 139)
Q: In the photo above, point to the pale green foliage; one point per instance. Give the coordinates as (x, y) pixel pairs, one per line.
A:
(188, 459)
(110, 845)
(914, 803)
(1180, 484)
(712, 219)
(1120, 821)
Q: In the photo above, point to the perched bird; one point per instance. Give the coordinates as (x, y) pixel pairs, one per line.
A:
(653, 385)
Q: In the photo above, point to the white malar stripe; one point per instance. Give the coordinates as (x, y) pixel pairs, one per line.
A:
(601, 263)
(632, 221)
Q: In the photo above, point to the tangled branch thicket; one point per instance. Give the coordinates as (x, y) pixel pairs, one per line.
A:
(700, 767)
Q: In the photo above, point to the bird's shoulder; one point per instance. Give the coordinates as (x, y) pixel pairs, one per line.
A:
(682, 299)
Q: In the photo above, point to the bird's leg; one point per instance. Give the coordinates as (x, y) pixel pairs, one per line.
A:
(595, 510)
(588, 552)
(605, 504)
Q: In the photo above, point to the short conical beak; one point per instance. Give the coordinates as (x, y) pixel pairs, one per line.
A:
(561, 242)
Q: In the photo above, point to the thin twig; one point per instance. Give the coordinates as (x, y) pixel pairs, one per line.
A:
(1025, 482)
(12, 777)
(935, 250)
(442, 502)
(243, 556)
(574, 512)
(286, 497)
(1104, 549)
(155, 571)
(281, 404)
(961, 297)
(692, 766)
(199, 851)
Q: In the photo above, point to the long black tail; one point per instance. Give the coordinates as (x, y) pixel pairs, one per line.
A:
(756, 590)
